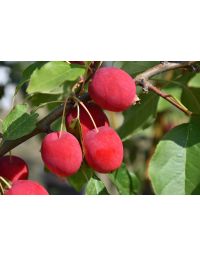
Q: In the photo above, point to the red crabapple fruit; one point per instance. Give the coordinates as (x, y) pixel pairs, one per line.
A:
(103, 149)
(26, 187)
(13, 168)
(61, 153)
(113, 89)
(96, 112)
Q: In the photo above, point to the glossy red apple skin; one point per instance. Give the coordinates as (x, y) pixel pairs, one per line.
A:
(113, 89)
(13, 168)
(61, 153)
(26, 187)
(103, 149)
(98, 116)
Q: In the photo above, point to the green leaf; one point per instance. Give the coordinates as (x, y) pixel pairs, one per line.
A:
(178, 88)
(125, 181)
(172, 90)
(195, 81)
(50, 76)
(140, 115)
(55, 126)
(18, 123)
(96, 187)
(184, 78)
(78, 180)
(174, 167)
(27, 74)
(196, 191)
(190, 98)
(196, 92)
(134, 67)
(38, 98)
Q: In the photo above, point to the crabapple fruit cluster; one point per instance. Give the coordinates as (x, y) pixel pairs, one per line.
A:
(111, 89)
(94, 140)
(98, 116)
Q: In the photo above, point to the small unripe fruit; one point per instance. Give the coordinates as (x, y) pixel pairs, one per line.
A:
(113, 89)
(13, 168)
(61, 153)
(103, 149)
(98, 116)
(26, 187)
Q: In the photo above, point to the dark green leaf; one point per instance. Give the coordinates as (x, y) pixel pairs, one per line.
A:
(190, 98)
(79, 180)
(96, 187)
(196, 191)
(184, 78)
(140, 115)
(125, 181)
(39, 98)
(195, 81)
(55, 126)
(50, 76)
(18, 123)
(196, 92)
(174, 167)
(27, 74)
(134, 67)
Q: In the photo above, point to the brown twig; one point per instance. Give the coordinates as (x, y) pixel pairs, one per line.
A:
(163, 67)
(167, 97)
(143, 80)
(42, 126)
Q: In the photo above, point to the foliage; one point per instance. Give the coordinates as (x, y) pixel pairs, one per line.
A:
(172, 150)
(174, 167)
(18, 123)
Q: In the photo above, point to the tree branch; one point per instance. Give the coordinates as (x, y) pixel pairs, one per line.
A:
(167, 97)
(42, 126)
(143, 80)
(163, 67)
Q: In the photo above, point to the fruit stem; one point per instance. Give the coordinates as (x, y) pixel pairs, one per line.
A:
(5, 182)
(63, 116)
(10, 156)
(99, 65)
(1, 189)
(85, 108)
(78, 111)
